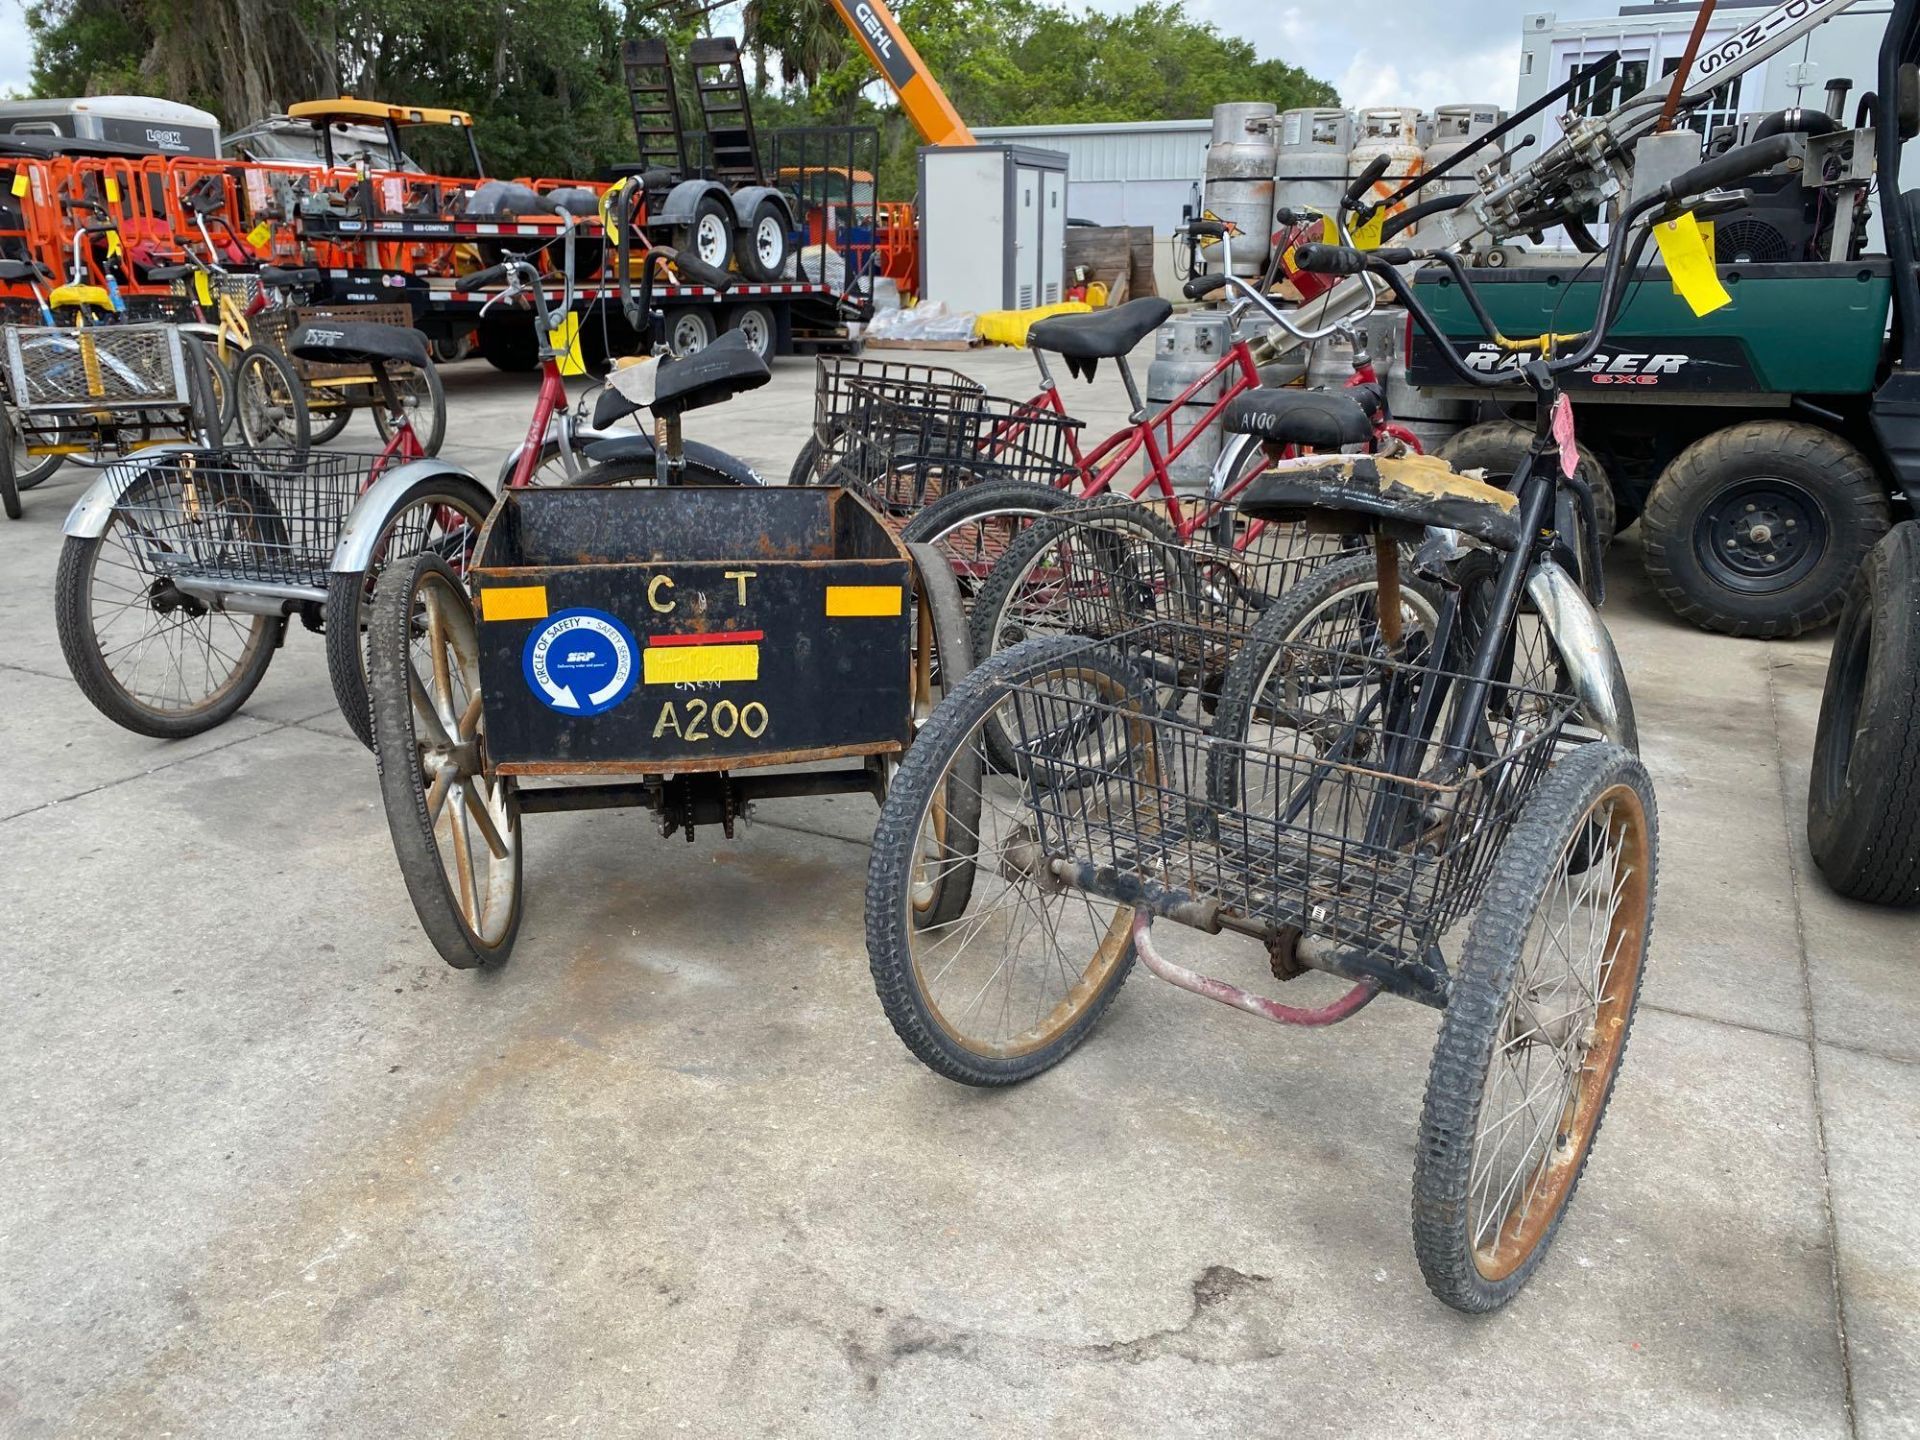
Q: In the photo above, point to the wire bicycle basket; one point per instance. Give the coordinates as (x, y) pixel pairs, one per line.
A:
(97, 368)
(911, 451)
(839, 419)
(1306, 822)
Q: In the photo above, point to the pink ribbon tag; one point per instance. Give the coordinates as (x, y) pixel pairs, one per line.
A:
(1563, 434)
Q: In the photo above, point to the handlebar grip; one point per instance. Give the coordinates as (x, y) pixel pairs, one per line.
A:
(1329, 259)
(1207, 229)
(480, 279)
(1286, 216)
(1200, 286)
(1363, 182)
(1735, 164)
(700, 273)
(67, 202)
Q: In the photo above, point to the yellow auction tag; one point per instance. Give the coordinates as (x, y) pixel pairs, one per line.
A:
(21, 184)
(1367, 237)
(1690, 265)
(565, 339)
(201, 289)
(260, 235)
(113, 191)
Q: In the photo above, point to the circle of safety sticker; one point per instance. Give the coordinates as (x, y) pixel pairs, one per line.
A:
(580, 662)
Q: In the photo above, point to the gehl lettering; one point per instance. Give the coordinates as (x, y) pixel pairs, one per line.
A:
(876, 32)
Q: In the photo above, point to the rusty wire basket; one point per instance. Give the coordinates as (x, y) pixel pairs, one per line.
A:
(843, 389)
(1327, 813)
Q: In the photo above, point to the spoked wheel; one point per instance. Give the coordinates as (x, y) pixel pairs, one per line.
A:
(1096, 568)
(150, 656)
(1002, 977)
(328, 414)
(1535, 1028)
(441, 515)
(425, 402)
(9, 485)
(1308, 681)
(269, 402)
(30, 469)
(455, 824)
(973, 527)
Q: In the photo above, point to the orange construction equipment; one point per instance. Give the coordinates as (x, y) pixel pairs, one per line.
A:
(926, 104)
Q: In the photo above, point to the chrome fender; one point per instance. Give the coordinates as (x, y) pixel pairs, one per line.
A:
(1588, 652)
(87, 520)
(353, 551)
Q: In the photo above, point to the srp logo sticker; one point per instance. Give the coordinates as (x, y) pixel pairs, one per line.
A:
(580, 662)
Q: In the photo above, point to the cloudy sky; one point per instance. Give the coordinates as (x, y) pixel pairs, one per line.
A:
(1418, 52)
(1410, 52)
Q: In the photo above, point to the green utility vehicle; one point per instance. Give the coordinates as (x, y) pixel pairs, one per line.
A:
(1765, 447)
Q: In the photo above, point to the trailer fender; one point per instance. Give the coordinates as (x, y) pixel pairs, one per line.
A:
(353, 551)
(747, 199)
(640, 447)
(87, 520)
(683, 201)
(1587, 650)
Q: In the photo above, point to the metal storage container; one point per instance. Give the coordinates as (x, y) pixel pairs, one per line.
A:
(1239, 189)
(1310, 169)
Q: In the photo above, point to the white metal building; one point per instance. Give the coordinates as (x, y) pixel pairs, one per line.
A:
(1133, 173)
(1652, 37)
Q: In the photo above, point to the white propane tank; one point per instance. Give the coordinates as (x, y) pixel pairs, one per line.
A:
(1240, 165)
(1185, 349)
(1454, 128)
(1310, 170)
(1398, 132)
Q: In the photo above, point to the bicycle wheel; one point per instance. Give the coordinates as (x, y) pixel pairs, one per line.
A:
(9, 488)
(646, 472)
(1002, 978)
(973, 527)
(222, 392)
(269, 402)
(328, 415)
(1530, 1046)
(1532, 676)
(150, 657)
(1309, 676)
(455, 824)
(425, 404)
(30, 469)
(441, 515)
(1096, 567)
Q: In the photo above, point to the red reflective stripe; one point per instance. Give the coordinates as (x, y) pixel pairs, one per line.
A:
(719, 637)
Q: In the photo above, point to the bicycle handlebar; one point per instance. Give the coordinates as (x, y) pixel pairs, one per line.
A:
(1363, 182)
(1201, 286)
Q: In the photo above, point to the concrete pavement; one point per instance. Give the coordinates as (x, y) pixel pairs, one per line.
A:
(270, 1168)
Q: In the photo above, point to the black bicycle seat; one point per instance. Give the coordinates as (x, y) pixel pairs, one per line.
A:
(19, 270)
(1100, 335)
(1324, 419)
(351, 342)
(276, 275)
(612, 406)
(719, 372)
(1409, 493)
(167, 274)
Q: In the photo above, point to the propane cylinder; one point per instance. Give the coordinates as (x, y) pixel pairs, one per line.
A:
(1432, 420)
(1310, 168)
(1398, 132)
(1185, 349)
(1240, 165)
(1454, 128)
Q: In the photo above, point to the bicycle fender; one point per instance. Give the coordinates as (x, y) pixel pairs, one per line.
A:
(639, 446)
(87, 520)
(558, 433)
(1588, 652)
(353, 551)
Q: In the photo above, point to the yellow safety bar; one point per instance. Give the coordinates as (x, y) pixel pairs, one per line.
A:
(346, 108)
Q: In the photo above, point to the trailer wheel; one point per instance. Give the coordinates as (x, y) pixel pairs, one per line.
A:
(1757, 529)
(689, 331)
(709, 239)
(766, 244)
(1496, 447)
(508, 344)
(1863, 805)
(757, 327)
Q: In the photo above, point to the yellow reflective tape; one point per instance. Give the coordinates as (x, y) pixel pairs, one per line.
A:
(692, 664)
(1690, 266)
(113, 191)
(846, 600)
(21, 185)
(513, 602)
